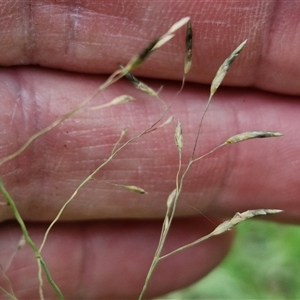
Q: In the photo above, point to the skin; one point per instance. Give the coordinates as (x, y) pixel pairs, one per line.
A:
(57, 54)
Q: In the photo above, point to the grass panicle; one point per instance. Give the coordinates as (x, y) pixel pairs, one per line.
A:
(172, 200)
(118, 74)
(132, 188)
(175, 194)
(252, 135)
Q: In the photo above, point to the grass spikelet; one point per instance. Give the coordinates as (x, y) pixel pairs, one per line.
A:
(188, 48)
(178, 137)
(163, 40)
(178, 25)
(168, 121)
(120, 100)
(221, 73)
(188, 53)
(140, 58)
(154, 45)
(132, 188)
(240, 138)
(123, 133)
(225, 67)
(135, 189)
(240, 217)
(252, 135)
(228, 225)
(171, 198)
(116, 101)
(141, 85)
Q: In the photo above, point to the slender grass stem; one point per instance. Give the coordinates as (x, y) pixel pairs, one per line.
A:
(28, 239)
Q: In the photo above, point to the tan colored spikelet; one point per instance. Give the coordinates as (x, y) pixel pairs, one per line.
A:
(134, 188)
(252, 135)
(147, 90)
(116, 101)
(166, 223)
(139, 59)
(22, 242)
(168, 121)
(240, 217)
(171, 198)
(227, 225)
(178, 25)
(178, 137)
(224, 68)
(123, 133)
(154, 45)
(163, 40)
(214, 86)
(188, 53)
(140, 85)
(121, 99)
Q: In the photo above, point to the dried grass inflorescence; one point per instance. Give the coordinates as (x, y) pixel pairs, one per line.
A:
(252, 135)
(171, 201)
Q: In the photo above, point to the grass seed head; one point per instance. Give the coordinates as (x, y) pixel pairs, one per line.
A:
(188, 48)
(178, 137)
(178, 25)
(135, 189)
(140, 85)
(252, 135)
(221, 73)
(171, 198)
(154, 45)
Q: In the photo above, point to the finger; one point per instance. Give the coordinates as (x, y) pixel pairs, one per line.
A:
(109, 260)
(250, 175)
(93, 38)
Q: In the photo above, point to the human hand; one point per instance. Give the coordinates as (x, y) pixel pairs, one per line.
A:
(112, 232)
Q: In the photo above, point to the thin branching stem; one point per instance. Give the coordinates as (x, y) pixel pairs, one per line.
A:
(112, 79)
(89, 177)
(8, 294)
(28, 239)
(228, 225)
(11, 293)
